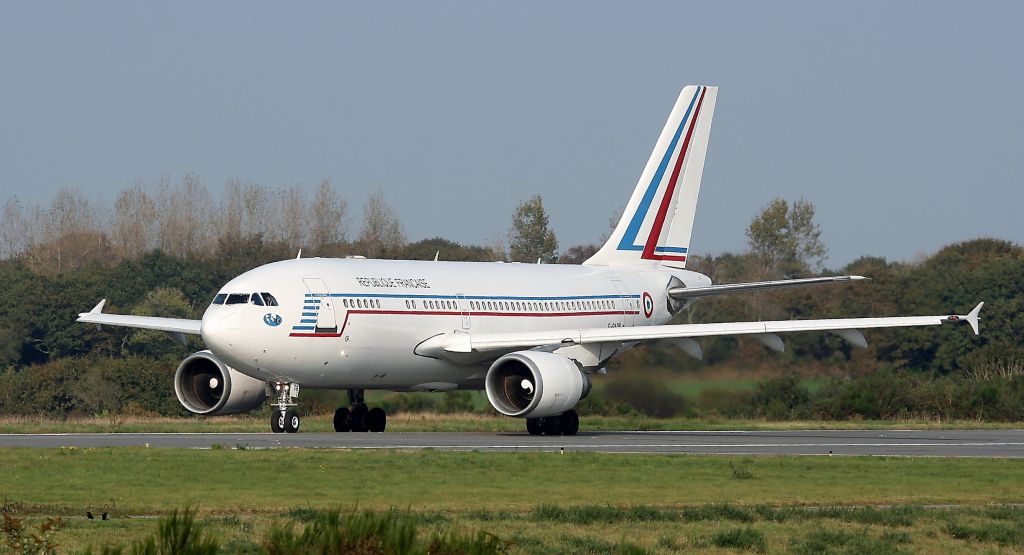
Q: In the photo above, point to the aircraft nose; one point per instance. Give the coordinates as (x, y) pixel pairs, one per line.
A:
(220, 329)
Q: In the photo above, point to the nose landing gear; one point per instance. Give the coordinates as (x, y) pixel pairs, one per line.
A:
(285, 417)
(359, 418)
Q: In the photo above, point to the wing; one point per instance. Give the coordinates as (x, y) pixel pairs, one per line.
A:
(681, 293)
(175, 327)
(464, 342)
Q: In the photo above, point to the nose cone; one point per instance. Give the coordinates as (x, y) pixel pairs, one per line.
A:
(220, 329)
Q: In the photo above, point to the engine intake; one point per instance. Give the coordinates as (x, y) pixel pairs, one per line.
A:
(205, 385)
(531, 384)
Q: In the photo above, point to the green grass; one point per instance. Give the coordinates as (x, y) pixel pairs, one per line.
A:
(140, 480)
(540, 502)
(580, 529)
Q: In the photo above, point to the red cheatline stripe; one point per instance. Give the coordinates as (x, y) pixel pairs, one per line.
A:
(659, 221)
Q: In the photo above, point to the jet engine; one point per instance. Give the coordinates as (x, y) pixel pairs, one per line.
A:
(205, 385)
(533, 384)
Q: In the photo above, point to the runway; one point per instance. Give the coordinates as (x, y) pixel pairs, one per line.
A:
(955, 443)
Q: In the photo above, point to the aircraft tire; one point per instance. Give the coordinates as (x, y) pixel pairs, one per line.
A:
(569, 422)
(342, 420)
(277, 419)
(357, 420)
(533, 427)
(552, 425)
(376, 420)
(292, 420)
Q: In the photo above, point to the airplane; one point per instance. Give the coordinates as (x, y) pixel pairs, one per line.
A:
(530, 335)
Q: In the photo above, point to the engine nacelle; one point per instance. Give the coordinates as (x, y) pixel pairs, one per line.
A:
(205, 385)
(532, 384)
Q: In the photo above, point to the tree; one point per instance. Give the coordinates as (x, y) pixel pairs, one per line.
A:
(382, 233)
(134, 218)
(578, 254)
(328, 213)
(785, 240)
(529, 237)
(185, 218)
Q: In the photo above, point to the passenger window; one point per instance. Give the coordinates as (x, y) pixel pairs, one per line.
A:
(219, 299)
(237, 298)
(378, 303)
(256, 299)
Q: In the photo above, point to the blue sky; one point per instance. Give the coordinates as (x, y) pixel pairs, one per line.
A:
(901, 121)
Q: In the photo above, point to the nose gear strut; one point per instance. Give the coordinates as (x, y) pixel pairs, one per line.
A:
(285, 417)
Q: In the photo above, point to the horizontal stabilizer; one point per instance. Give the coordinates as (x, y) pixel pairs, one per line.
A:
(680, 293)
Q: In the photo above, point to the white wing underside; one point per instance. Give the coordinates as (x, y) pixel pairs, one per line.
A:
(481, 342)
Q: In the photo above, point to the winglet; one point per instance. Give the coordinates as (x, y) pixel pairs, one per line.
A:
(98, 309)
(972, 317)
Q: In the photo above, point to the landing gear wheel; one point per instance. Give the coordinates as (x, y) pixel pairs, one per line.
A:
(376, 420)
(533, 427)
(277, 419)
(569, 422)
(551, 425)
(357, 420)
(291, 420)
(341, 420)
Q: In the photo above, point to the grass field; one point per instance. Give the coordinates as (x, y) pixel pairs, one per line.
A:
(576, 502)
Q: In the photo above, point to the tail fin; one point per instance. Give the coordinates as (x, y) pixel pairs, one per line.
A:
(655, 227)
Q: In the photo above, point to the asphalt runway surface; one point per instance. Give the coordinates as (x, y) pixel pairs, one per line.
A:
(953, 443)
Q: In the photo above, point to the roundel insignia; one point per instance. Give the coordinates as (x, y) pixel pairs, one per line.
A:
(272, 319)
(648, 304)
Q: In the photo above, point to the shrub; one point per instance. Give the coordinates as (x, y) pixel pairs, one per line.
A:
(745, 538)
(647, 396)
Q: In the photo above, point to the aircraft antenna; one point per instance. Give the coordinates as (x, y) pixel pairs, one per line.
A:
(298, 256)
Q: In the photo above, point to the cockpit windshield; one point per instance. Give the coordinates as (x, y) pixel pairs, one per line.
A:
(237, 298)
(258, 299)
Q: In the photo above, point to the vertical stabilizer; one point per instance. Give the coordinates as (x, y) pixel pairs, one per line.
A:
(655, 227)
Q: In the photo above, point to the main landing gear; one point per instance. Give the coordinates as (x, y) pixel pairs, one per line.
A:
(359, 418)
(285, 417)
(567, 423)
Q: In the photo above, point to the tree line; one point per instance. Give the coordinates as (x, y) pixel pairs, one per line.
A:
(166, 250)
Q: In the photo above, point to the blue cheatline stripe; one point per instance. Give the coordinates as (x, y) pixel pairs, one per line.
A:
(670, 249)
(307, 321)
(483, 297)
(305, 328)
(629, 238)
(309, 313)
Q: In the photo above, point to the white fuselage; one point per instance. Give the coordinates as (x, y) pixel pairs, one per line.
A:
(356, 323)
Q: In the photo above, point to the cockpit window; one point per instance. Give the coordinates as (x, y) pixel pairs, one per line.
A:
(237, 298)
(257, 299)
(219, 299)
(269, 299)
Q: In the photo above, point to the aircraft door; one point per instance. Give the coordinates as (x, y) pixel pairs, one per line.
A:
(625, 302)
(465, 309)
(326, 319)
